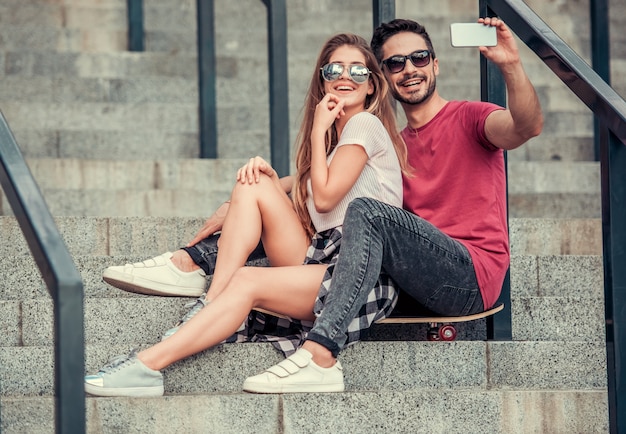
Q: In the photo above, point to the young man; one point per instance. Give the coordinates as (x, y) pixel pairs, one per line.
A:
(448, 248)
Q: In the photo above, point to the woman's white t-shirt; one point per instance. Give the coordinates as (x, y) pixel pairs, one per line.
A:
(380, 179)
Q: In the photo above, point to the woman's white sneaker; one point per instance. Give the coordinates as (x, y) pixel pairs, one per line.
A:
(156, 276)
(125, 376)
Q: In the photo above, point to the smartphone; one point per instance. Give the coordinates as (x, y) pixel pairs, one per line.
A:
(472, 35)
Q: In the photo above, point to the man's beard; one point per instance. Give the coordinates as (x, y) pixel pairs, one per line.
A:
(416, 98)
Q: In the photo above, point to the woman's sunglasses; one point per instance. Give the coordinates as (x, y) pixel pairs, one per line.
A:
(396, 63)
(358, 73)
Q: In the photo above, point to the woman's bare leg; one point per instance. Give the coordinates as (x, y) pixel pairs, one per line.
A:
(257, 211)
(287, 290)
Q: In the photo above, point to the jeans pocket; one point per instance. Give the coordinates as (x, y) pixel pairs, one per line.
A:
(453, 301)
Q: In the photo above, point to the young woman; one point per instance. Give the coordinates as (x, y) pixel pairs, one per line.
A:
(348, 147)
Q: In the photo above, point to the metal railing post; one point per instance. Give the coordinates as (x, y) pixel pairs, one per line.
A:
(278, 79)
(69, 358)
(610, 108)
(134, 9)
(613, 173)
(600, 55)
(383, 11)
(62, 279)
(493, 89)
(206, 79)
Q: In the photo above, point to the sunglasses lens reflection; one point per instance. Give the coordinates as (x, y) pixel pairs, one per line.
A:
(332, 71)
(359, 74)
(396, 64)
(419, 59)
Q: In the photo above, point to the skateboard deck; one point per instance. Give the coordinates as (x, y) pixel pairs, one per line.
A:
(441, 327)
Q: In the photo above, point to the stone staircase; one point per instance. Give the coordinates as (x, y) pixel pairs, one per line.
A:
(111, 137)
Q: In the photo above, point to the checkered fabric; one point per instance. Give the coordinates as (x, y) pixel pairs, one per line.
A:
(288, 334)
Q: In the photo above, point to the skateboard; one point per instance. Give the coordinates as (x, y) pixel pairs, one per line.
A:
(441, 327)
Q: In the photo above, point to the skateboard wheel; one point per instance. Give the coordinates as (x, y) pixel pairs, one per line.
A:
(433, 334)
(447, 333)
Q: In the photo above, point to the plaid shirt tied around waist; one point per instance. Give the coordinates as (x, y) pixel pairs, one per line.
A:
(287, 335)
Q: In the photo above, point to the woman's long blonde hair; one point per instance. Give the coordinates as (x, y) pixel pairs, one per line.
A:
(378, 103)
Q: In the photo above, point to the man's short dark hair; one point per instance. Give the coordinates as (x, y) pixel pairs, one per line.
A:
(393, 27)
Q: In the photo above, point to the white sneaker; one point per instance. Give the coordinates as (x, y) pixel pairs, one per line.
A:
(125, 376)
(297, 374)
(156, 276)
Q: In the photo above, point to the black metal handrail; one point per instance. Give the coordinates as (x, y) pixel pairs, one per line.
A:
(61, 276)
(136, 34)
(584, 82)
(609, 109)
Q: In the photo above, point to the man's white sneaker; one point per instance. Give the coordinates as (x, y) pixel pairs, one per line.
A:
(156, 276)
(297, 374)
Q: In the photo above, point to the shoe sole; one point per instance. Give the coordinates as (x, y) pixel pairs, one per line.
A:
(139, 285)
(137, 392)
(292, 388)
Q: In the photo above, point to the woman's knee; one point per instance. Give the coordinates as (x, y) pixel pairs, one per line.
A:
(244, 282)
(362, 210)
(258, 188)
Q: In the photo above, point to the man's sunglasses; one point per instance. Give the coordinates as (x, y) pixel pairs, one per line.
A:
(358, 73)
(396, 63)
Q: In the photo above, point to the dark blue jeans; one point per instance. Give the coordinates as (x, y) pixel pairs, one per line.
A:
(204, 254)
(425, 263)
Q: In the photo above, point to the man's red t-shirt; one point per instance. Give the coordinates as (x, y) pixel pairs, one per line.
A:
(459, 186)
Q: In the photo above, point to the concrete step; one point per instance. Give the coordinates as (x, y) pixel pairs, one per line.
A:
(555, 236)
(550, 148)
(184, 203)
(107, 145)
(455, 386)
(553, 298)
(165, 188)
(161, 203)
(97, 27)
(178, 117)
(84, 174)
(368, 366)
(52, 38)
(183, 174)
(240, 99)
(131, 145)
(150, 236)
(509, 378)
(463, 82)
(59, 15)
(554, 189)
(432, 411)
(56, 90)
(532, 275)
(175, 187)
(556, 205)
(112, 65)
